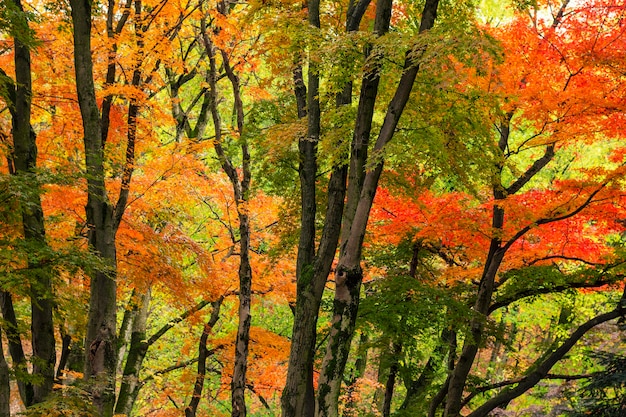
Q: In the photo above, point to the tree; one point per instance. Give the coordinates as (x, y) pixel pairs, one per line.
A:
(102, 220)
(545, 211)
(23, 163)
(313, 268)
(461, 188)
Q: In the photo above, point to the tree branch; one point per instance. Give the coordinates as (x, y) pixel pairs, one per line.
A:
(537, 166)
(541, 371)
(529, 292)
(547, 220)
(508, 382)
(182, 317)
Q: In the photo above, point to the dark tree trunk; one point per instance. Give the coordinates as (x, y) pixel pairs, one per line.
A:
(203, 355)
(66, 340)
(348, 276)
(298, 395)
(243, 330)
(298, 398)
(472, 342)
(25, 161)
(486, 287)
(16, 351)
(100, 342)
(391, 378)
(5, 387)
(241, 191)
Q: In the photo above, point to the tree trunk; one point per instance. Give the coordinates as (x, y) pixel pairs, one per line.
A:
(126, 328)
(100, 342)
(241, 191)
(5, 387)
(391, 378)
(203, 355)
(496, 253)
(136, 354)
(66, 340)
(477, 324)
(25, 161)
(16, 351)
(348, 276)
(298, 398)
(243, 330)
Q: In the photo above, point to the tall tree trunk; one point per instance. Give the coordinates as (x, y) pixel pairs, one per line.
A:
(241, 191)
(396, 350)
(313, 269)
(349, 275)
(100, 342)
(243, 329)
(481, 306)
(497, 250)
(25, 161)
(298, 395)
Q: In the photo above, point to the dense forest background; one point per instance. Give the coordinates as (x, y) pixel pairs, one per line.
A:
(312, 208)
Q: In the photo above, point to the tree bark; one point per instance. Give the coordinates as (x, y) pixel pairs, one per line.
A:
(203, 355)
(348, 276)
(136, 354)
(100, 342)
(25, 162)
(5, 387)
(16, 351)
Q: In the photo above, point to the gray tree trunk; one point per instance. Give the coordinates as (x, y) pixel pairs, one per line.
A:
(136, 354)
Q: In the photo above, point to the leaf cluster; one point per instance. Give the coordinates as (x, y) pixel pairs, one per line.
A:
(604, 394)
(65, 401)
(15, 22)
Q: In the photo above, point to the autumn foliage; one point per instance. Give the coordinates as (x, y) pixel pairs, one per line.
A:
(502, 191)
